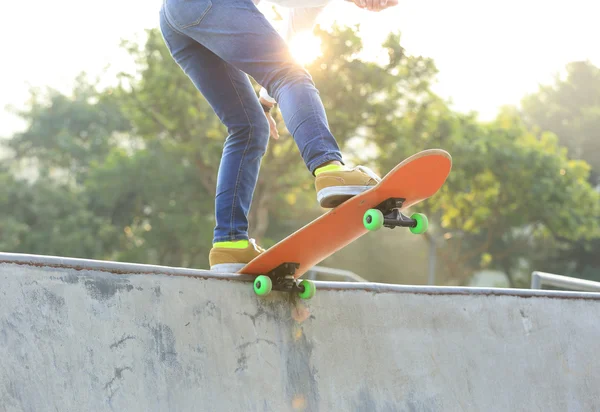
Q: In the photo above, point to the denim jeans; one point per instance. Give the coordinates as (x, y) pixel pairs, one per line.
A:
(218, 44)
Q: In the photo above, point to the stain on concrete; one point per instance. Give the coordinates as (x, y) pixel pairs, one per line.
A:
(44, 298)
(209, 309)
(242, 360)
(164, 343)
(367, 401)
(300, 379)
(71, 279)
(9, 327)
(110, 386)
(295, 350)
(300, 313)
(527, 324)
(299, 403)
(13, 392)
(102, 289)
(272, 311)
(418, 402)
(121, 341)
(199, 349)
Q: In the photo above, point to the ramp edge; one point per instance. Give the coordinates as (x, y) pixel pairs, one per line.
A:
(123, 268)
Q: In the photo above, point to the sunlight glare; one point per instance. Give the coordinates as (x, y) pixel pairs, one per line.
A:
(305, 47)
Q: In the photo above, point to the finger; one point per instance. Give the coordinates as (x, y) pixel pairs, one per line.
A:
(273, 128)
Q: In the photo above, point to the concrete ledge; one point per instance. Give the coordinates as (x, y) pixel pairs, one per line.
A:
(133, 269)
(81, 335)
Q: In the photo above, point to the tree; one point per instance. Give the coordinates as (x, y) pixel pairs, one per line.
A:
(50, 218)
(65, 134)
(138, 164)
(570, 108)
(508, 190)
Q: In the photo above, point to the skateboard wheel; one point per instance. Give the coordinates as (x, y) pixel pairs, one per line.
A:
(373, 219)
(262, 285)
(309, 289)
(422, 223)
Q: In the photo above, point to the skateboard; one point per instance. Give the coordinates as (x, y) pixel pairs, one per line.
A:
(413, 180)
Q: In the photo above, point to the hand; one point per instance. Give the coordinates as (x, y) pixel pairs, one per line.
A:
(272, 126)
(375, 5)
(272, 123)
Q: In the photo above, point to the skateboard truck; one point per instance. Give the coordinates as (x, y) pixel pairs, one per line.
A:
(282, 279)
(392, 217)
(396, 218)
(388, 214)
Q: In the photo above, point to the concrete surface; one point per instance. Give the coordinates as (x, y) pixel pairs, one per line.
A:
(80, 335)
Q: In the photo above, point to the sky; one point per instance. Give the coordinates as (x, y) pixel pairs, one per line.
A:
(489, 53)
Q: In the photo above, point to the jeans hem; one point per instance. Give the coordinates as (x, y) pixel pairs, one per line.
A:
(229, 238)
(328, 157)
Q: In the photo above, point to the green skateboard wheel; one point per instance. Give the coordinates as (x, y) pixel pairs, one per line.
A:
(373, 219)
(309, 289)
(262, 285)
(422, 223)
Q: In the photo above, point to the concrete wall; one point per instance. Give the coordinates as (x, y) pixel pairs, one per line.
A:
(95, 336)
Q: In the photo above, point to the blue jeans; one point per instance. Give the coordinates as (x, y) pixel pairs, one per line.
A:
(218, 44)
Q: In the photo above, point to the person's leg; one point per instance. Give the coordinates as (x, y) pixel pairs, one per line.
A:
(240, 34)
(232, 97)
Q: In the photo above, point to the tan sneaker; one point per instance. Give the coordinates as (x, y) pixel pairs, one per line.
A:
(230, 260)
(335, 187)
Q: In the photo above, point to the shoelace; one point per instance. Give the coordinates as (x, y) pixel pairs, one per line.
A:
(369, 172)
(255, 246)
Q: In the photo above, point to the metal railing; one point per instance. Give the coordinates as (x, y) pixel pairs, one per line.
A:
(539, 279)
(343, 275)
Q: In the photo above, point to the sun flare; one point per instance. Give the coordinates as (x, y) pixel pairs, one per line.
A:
(305, 47)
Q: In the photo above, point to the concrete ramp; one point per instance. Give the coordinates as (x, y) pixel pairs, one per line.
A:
(80, 335)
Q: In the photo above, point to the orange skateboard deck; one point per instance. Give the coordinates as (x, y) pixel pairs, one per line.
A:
(410, 182)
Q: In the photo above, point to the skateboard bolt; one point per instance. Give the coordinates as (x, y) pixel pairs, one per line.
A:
(369, 219)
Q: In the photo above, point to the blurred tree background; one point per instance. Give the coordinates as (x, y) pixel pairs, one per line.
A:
(128, 172)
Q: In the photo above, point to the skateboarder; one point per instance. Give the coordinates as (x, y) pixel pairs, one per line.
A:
(218, 43)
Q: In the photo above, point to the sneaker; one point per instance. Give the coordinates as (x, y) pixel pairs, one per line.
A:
(336, 186)
(230, 260)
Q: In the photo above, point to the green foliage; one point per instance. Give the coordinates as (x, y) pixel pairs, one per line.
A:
(48, 218)
(570, 108)
(517, 178)
(69, 132)
(157, 202)
(508, 190)
(129, 173)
